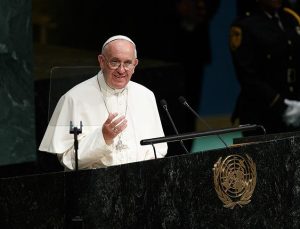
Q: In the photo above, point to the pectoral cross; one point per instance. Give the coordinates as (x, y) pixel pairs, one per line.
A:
(120, 146)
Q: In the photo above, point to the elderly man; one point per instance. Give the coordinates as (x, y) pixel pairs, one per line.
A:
(116, 114)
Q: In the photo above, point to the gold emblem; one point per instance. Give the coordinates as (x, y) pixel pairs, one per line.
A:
(235, 37)
(235, 180)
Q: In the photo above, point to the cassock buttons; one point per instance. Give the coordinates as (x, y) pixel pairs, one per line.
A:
(298, 30)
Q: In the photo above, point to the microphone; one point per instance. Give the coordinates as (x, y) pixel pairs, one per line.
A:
(164, 105)
(183, 101)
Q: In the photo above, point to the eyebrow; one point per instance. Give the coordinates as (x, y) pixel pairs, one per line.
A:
(116, 58)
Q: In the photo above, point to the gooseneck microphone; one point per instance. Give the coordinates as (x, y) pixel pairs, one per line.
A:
(183, 101)
(164, 105)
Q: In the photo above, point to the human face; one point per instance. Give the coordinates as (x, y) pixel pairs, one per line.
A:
(270, 5)
(119, 53)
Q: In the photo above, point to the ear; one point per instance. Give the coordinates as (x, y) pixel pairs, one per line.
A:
(101, 61)
(136, 62)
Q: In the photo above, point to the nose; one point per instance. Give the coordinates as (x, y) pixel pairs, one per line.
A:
(121, 68)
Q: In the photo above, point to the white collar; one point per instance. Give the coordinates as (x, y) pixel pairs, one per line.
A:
(106, 88)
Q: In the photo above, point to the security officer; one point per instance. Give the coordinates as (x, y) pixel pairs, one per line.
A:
(265, 48)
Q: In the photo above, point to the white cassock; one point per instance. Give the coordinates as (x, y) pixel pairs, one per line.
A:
(89, 103)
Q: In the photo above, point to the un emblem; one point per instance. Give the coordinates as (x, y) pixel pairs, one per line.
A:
(235, 180)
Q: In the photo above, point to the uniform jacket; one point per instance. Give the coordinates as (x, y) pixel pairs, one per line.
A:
(266, 58)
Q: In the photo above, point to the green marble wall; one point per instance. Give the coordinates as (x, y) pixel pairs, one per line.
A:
(17, 128)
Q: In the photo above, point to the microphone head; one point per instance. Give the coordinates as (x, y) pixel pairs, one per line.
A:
(182, 100)
(163, 103)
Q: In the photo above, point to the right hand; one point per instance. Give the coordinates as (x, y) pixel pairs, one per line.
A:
(291, 115)
(112, 127)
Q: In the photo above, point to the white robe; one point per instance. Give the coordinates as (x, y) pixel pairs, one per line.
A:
(85, 102)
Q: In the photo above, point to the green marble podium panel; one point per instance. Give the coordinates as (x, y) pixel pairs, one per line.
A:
(174, 192)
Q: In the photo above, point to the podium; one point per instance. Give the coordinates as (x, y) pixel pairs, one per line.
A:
(173, 192)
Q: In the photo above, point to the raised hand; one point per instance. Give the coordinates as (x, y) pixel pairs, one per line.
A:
(113, 126)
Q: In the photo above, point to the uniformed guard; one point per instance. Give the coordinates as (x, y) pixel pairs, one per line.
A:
(265, 48)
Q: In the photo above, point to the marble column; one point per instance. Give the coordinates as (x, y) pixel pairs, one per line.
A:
(17, 125)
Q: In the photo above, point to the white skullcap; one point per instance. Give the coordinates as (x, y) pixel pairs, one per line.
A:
(117, 37)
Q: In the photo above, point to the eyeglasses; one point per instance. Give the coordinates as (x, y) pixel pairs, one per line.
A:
(115, 64)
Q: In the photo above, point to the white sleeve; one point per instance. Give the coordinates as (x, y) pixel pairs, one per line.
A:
(92, 150)
(57, 139)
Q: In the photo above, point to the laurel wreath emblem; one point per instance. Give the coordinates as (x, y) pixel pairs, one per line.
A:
(235, 180)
